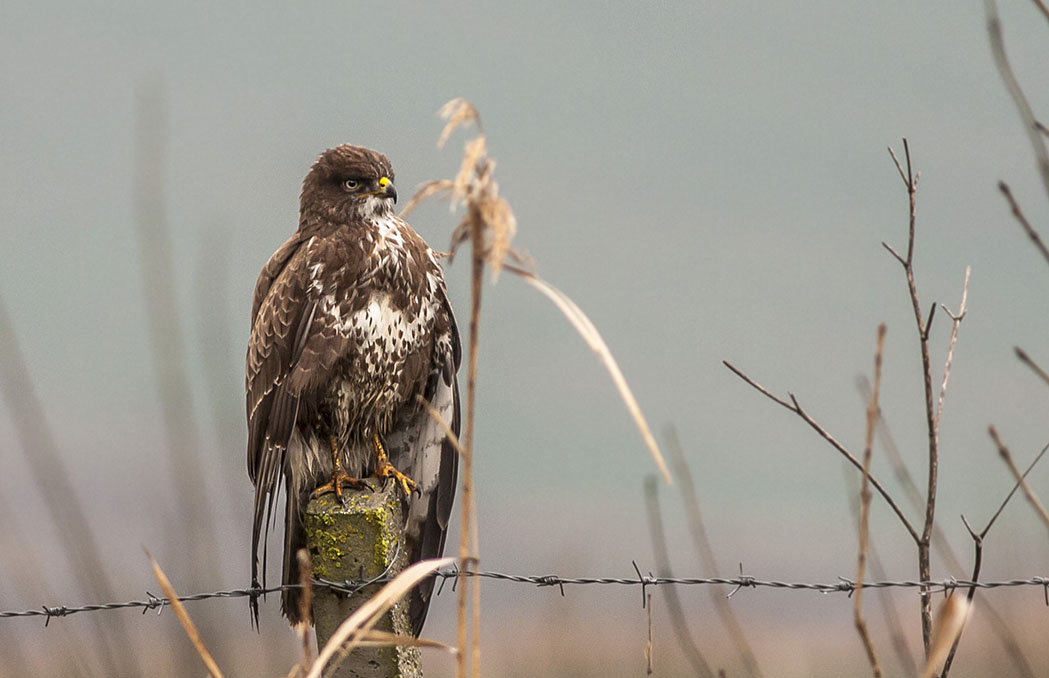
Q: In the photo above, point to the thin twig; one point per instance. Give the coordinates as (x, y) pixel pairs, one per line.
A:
(1024, 223)
(979, 537)
(1021, 478)
(1043, 8)
(956, 320)
(1026, 360)
(796, 408)
(999, 626)
(865, 505)
(1023, 106)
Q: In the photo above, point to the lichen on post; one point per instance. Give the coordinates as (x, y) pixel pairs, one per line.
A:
(360, 540)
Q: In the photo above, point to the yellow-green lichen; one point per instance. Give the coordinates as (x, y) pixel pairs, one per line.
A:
(327, 547)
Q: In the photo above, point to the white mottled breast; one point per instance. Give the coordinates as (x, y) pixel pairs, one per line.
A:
(381, 335)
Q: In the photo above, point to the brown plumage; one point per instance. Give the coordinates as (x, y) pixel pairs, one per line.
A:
(350, 322)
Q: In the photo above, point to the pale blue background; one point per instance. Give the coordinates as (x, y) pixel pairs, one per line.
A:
(708, 181)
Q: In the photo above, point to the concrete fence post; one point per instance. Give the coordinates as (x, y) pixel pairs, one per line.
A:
(360, 540)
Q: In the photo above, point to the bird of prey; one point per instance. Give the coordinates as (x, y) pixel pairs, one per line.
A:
(351, 333)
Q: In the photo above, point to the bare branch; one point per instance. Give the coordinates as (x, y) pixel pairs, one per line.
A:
(932, 425)
(998, 624)
(796, 408)
(894, 253)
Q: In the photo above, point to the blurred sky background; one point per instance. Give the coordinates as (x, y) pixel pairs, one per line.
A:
(708, 181)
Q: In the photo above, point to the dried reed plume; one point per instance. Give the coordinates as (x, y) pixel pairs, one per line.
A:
(489, 225)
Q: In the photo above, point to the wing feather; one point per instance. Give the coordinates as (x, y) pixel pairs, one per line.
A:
(281, 315)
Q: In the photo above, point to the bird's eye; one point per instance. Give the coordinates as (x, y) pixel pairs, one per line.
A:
(350, 184)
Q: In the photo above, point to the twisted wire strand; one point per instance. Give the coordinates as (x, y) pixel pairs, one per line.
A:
(843, 585)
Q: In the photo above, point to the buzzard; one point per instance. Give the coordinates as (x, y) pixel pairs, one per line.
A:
(351, 332)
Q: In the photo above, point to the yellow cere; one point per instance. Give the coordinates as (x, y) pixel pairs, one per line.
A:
(384, 182)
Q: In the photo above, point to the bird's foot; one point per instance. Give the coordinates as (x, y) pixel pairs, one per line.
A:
(338, 481)
(384, 471)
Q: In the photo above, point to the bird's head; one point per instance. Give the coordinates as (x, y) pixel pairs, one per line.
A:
(348, 183)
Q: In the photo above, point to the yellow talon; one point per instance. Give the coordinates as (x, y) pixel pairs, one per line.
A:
(384, 470)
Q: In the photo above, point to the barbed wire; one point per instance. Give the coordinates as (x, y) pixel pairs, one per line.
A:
(843, 585)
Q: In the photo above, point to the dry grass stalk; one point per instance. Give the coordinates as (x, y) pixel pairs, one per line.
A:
(678, 622)
(706, 552)
(489, 226)
(184, 619)
(648, 643)
(593, 339)
(305, 606)
(949, 624)
(356, 628)
(473, 186)
(436, 416)
(69, 516)
(865, 505)
(377, 638)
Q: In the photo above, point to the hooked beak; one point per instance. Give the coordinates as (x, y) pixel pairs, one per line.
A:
(388, 189)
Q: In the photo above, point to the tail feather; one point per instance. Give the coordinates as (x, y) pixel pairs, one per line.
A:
(294, 539)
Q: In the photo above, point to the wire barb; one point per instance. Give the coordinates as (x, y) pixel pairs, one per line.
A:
(843, 585)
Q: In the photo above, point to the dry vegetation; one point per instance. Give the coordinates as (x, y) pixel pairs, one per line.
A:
(488, 226)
